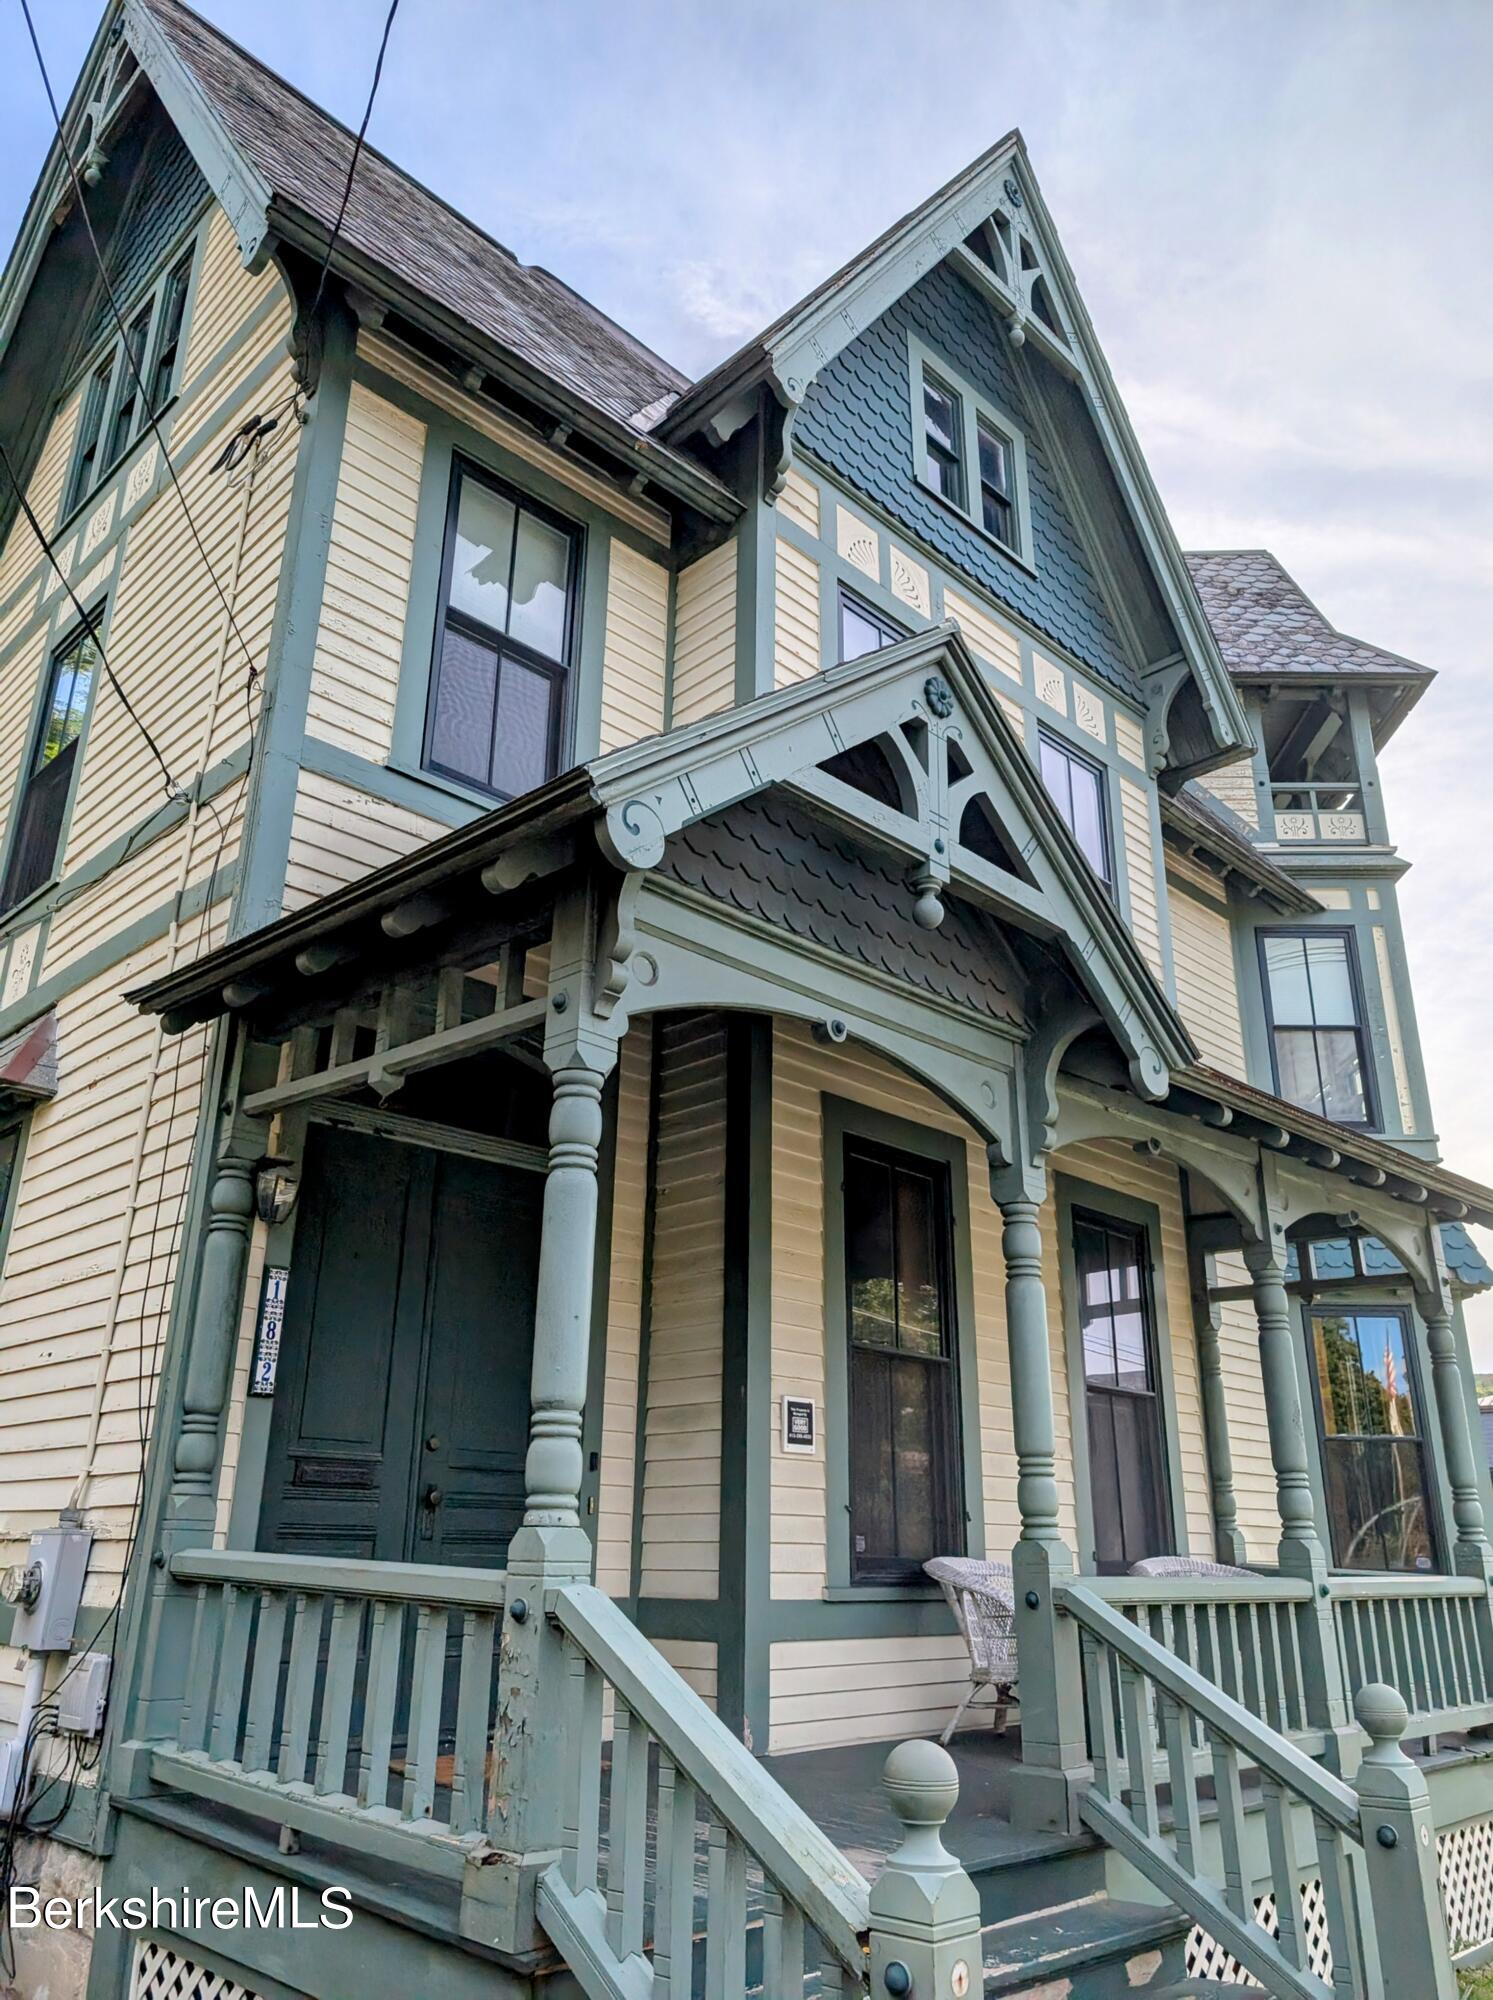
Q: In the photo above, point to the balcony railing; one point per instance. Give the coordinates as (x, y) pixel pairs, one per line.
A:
(1329, 813)
(1427, 1636)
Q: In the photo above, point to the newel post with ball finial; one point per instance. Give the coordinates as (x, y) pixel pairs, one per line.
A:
(925, 1911)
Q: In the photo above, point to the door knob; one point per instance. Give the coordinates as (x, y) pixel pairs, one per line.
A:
(431, 1497)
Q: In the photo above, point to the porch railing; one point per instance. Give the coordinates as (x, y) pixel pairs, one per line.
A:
(686, 1868)
(1428, 1636)
(1242, 1634)
(354, 1700)
(1170, 1749)
(1318, 812)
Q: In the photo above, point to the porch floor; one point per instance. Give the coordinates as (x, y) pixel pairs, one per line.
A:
(840, 1790)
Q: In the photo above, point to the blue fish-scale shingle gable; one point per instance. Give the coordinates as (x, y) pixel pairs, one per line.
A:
(176, 191)
(857, 419)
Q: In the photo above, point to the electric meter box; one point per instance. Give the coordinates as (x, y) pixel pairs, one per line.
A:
(62, 1556)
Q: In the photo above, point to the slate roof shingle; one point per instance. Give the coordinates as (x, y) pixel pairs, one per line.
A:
(302, 154)
(1266, 625)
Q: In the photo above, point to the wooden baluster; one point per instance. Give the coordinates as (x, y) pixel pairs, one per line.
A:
(1178, 1739)
(1284, 1873)
(385, 1634)
(633, 1835)
(1230, 1796)
(674, 1911)
(1101, 1718)
(264, 1682)
(1293, 1615)
(197, 1707)
(300, 1687)
(715, 1899)
(782, 1944)
(427, 1679)
(337, 1696)
(1421, 1632)
(238, 1611)
(1140, 1747)
(731, 1919)
(831, 1978)
(473, 1703)
(1468, 1656)
(1284, 1720)
(1338, 1901)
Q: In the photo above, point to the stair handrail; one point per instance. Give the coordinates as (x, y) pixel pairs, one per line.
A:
(800, 1857)
(1385, 1893)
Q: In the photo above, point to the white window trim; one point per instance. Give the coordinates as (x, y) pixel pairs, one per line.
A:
(972, 407)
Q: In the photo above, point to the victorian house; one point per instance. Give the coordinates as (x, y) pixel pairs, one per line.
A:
(631, 1009)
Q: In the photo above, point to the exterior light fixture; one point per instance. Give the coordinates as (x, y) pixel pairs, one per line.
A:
(276, 1186)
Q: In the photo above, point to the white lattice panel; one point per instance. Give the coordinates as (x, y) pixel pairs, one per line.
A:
(161, 1974)
(1464, 1867)
(1206, 1958)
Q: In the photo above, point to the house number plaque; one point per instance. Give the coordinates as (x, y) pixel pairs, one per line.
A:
(798, 1423)
(267, 1338)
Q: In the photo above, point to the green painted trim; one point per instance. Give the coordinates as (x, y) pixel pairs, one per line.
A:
(446, 439)
(1071, 1192)
(677, 1617)
(910, 1615)
(269, 810)
(65, 625)
(416, 791)
(91, 1618)
(973, 404)
(123, 944)
(594, 1411)
(125, 847)
(743, 1678)
(842, 1118)
(645, 1320)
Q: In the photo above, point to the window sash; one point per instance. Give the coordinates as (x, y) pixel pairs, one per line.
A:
(997, 505)
(906, 1475)
(1380, 1508)
(943, 439)
(41, 804)
(878, 631)
(1319, 1046)
(519, 673)
(118, 405)
(1079, 788)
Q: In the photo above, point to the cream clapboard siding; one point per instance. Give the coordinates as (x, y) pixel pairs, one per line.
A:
(1140, 871)
(360, 638)
(22, 553)
(339, 833)
(695, 1661)
(796, 641)
(1110, 1163)
(1207, 984)
(987, 638)
(681, 1508)
(829, 1691)
(1235, 785)
(1244, 1401)
(636, 657)
(619, 1418)
(799, 501)
(705, 636)
(169, 639)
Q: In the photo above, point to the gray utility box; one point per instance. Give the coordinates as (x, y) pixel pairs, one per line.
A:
(62, 1556)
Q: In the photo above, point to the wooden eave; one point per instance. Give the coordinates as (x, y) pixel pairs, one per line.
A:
(1230, 855)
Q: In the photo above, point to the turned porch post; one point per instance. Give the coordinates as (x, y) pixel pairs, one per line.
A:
(1053, 1745)
(1472, 1554)
(1228, 1537)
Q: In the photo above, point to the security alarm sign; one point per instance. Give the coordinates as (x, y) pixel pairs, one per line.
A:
(798, 1423)
(267, 1341)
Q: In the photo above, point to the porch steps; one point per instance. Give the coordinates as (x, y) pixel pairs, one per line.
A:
(1098, 1948)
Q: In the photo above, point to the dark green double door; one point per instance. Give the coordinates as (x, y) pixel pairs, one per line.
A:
(401, 1411)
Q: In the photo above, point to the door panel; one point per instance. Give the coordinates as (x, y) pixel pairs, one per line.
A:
(1126, 1455)
(340, 1432)
(402, 1412)
(484, 1269)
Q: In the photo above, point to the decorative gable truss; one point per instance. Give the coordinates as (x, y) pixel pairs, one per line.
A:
(991, 225)
(907, 751)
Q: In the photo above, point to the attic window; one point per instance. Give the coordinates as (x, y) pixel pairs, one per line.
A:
(131, 383)
(969, 454)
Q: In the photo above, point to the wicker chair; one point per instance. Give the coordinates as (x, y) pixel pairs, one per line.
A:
(1184, 1566)
(981, 1598)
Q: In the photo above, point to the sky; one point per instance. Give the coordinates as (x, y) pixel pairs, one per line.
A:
(1280, 216)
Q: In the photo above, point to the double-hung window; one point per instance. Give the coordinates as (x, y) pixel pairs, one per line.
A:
(943, 438)
(1377, 1494)
(863, 629)
(41, 805)
(969, 453)
(1078, 791)
(497, 691)
(905, 1487)
(132, 382)
(1315, 1010)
